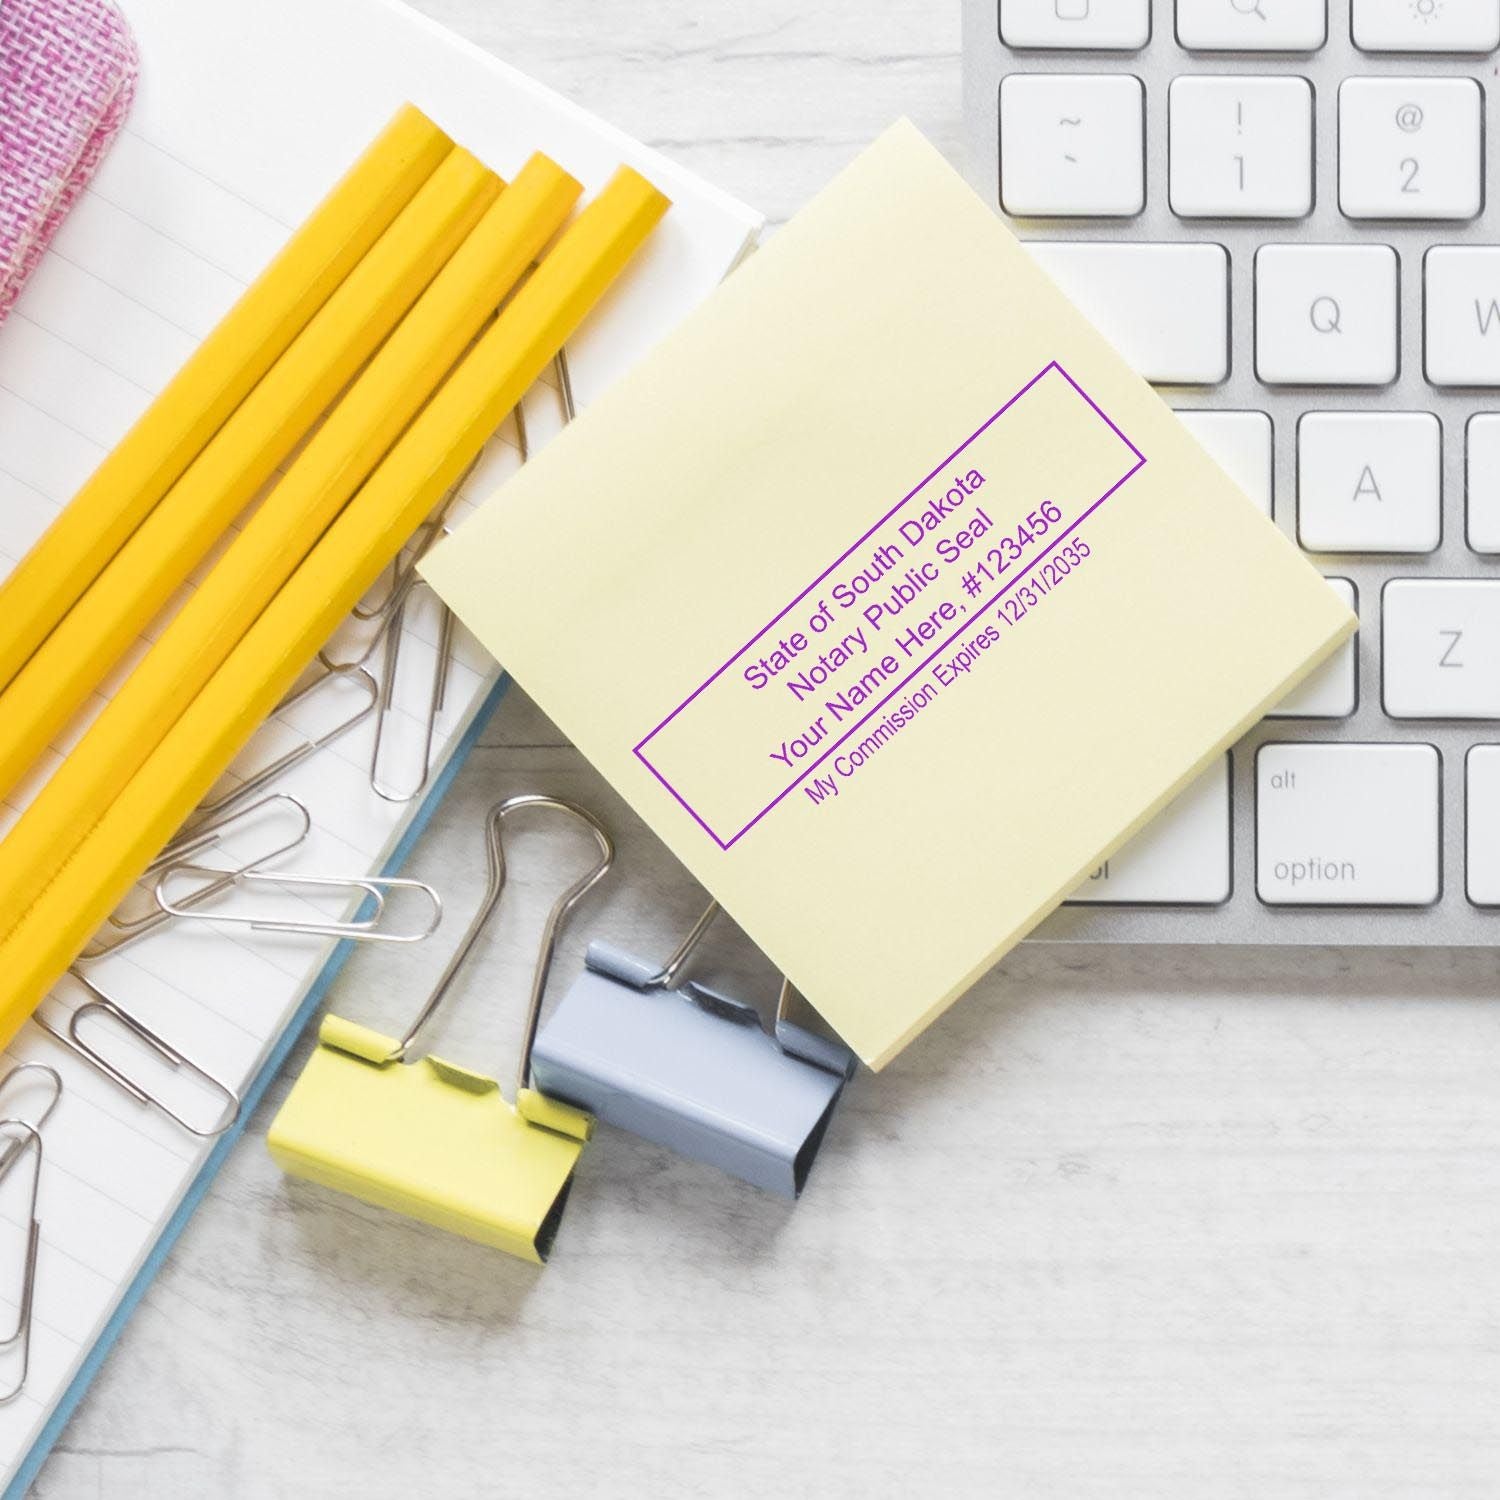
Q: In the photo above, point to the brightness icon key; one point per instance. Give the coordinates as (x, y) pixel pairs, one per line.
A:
(1462, 26)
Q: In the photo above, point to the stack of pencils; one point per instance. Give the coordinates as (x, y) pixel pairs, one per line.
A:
(376, 331)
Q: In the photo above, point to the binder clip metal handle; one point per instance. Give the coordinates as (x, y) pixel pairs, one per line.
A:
(791, 1036)
(687, 1067)
(494, 889)
(432, 1139)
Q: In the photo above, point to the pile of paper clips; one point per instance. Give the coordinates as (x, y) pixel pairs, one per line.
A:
(632, 1044)
(182, 883)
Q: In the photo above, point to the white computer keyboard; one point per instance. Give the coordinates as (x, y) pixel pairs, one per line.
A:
(1281, 212)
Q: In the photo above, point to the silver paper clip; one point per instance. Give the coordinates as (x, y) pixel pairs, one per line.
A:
(311, 744)
(23, 1137)
(437, 693)
(494, 889)
(366, 926)
(565, 396)
(691, 1068)
(403, 575)
(9, 1151)
(392, 616)
(121, 929)
(101, 1005)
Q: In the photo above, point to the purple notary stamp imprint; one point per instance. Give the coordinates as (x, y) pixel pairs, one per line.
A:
(899, 616)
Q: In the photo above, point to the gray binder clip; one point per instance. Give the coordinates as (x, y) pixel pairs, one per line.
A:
(693, 1069)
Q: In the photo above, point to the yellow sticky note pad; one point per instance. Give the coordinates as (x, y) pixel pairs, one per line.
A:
(888, 595)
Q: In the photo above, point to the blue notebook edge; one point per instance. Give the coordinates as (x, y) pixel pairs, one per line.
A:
(251, 1097)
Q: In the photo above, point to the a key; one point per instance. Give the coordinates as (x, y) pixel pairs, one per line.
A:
(1252, 25)
(1072, 145)
(1369, 481)
(1165, 307)
(1240, 443)
(1332, 690)
(1180, 858)
(1347, 825)
(1326, 314)
(1463, 315)
(1410, 148)
(1440, 645)
(1241, 148)
(1111, 25)
(1427, 25)
(1483, 467)
(1482, 824)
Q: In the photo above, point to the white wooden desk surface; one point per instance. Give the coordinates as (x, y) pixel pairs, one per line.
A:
(1210, 1225)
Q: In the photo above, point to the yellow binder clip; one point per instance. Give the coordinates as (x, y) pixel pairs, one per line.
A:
(432, 1139)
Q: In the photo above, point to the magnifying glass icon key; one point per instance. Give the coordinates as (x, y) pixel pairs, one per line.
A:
(1248, 8)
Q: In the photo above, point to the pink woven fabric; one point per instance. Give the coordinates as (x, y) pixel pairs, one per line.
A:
(67, 75)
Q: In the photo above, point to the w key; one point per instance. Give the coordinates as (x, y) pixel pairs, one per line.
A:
(1441, 648)
(1463, 315)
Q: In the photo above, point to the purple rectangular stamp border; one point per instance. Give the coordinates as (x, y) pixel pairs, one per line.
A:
(973, 619)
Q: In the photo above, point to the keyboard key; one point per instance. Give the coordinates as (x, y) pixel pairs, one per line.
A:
(1482, 824)
(1072, 144)
(1332, 691)
(1484, 482)
(1427, 25)
(1347, 825)
(1410, 148)
(1440, 642)
(1463, 315)
(1240, 443)
(1165, 307)
(1112, 25)
(1241, 148)
(1252, 25)
(1326, 314)
(1369, 481)
(1180, 858)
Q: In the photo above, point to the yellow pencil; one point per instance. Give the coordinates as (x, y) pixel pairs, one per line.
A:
(266, 426)
(411, 479)
(215, 379)
(357, 432)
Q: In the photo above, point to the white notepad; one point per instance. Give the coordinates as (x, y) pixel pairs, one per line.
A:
(245, 115)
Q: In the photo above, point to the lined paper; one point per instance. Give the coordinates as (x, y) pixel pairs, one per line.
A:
(237, 129)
